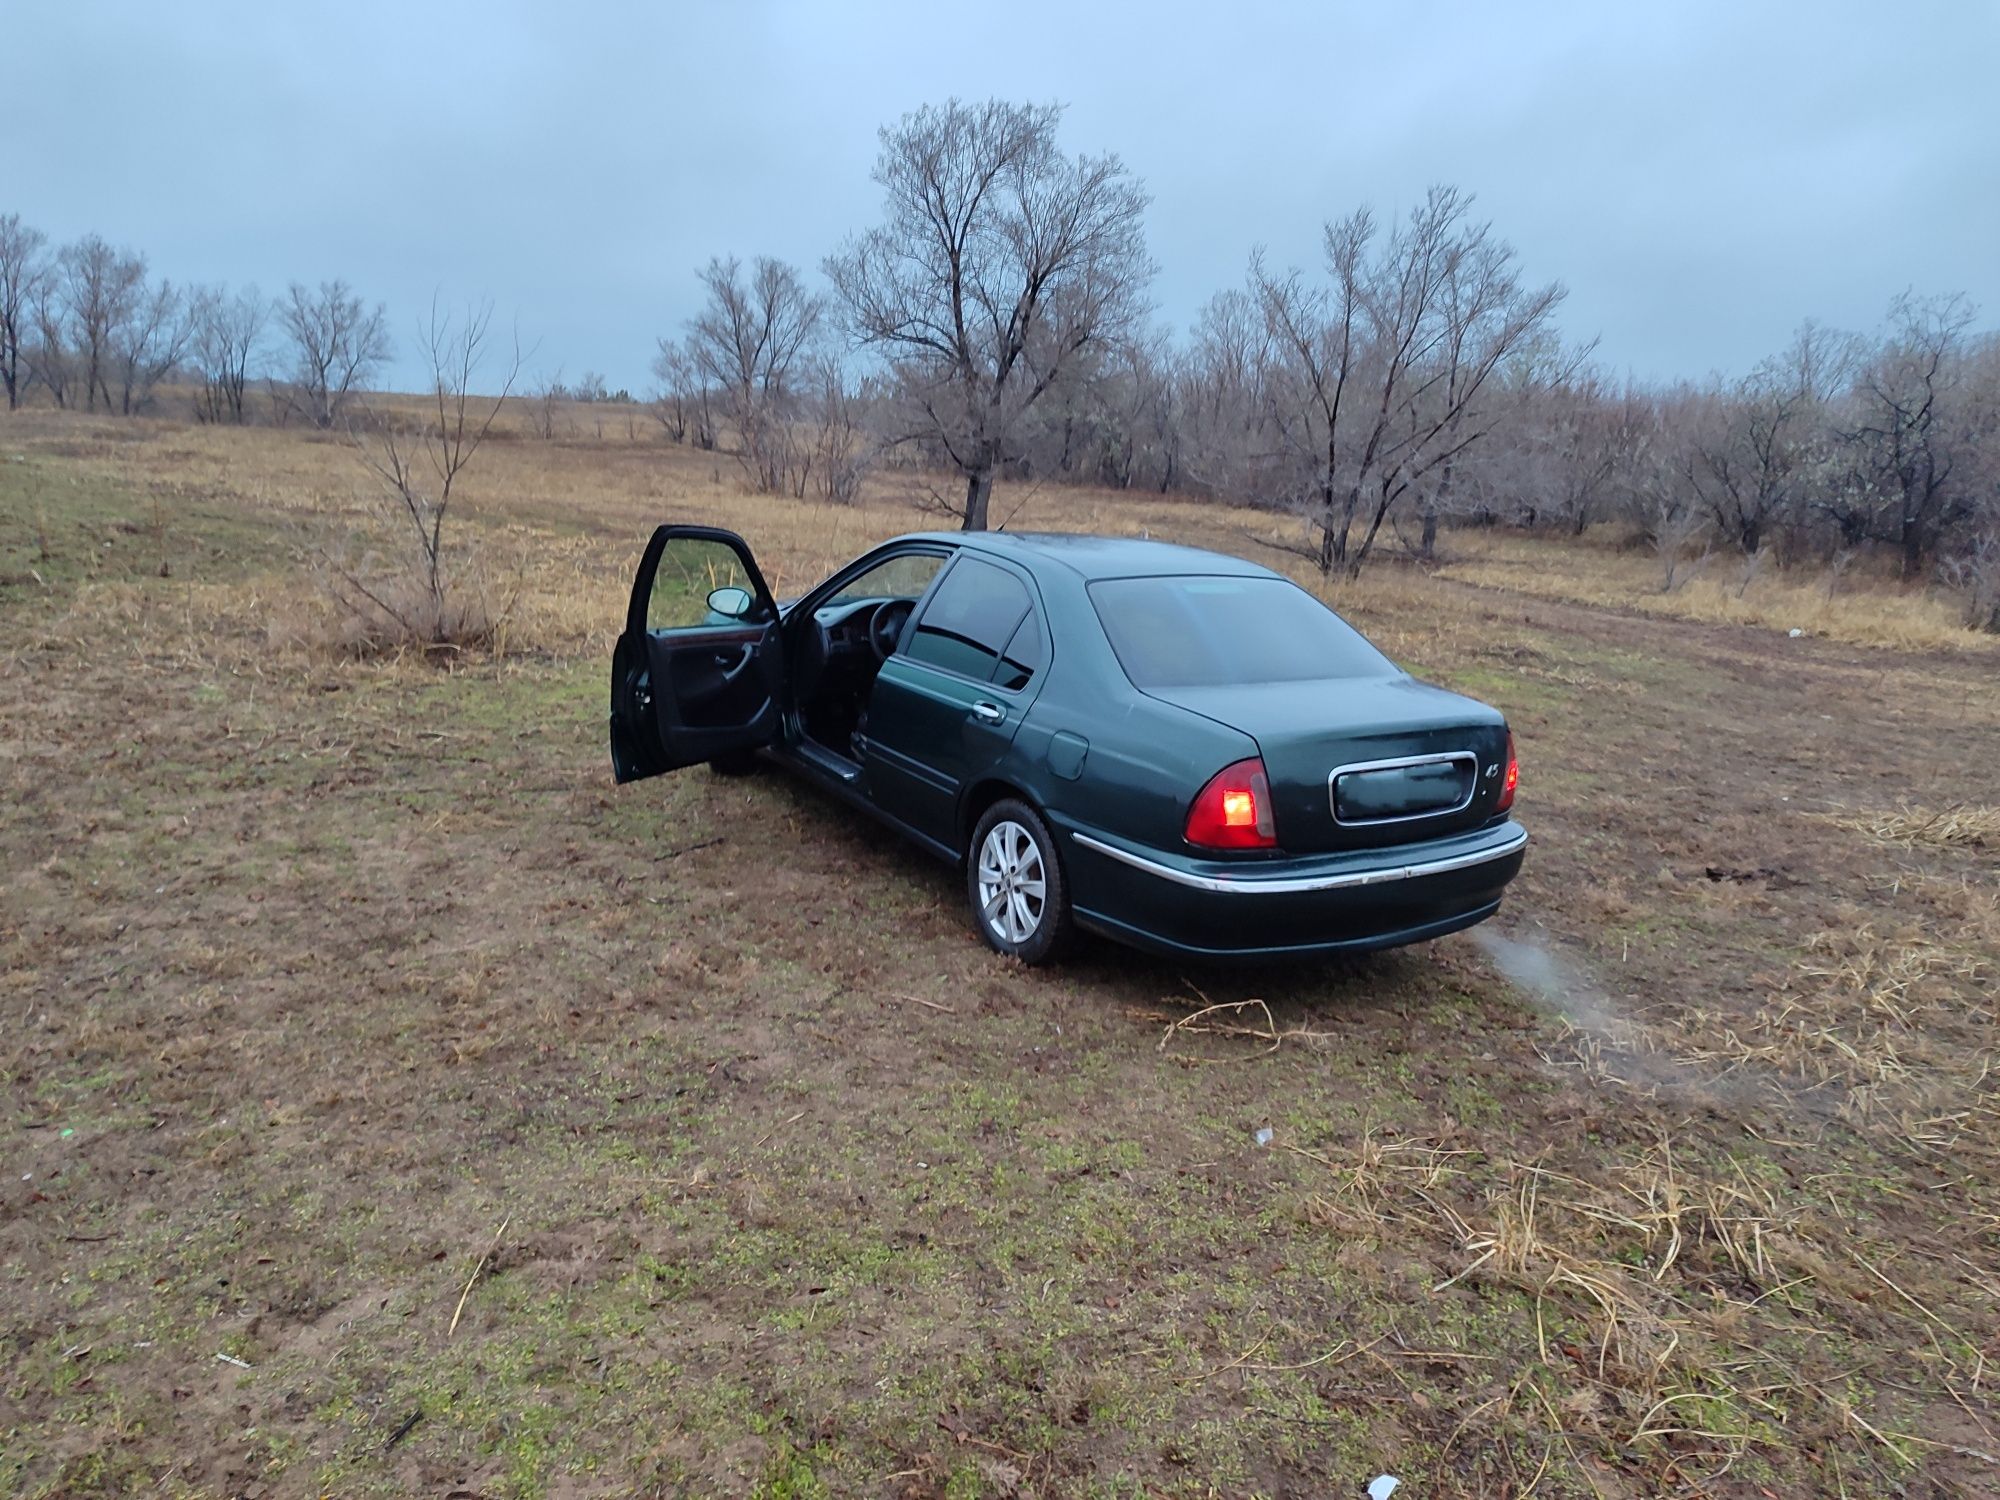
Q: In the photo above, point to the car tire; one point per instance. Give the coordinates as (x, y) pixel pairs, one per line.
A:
(734, 763)
(1015, 884)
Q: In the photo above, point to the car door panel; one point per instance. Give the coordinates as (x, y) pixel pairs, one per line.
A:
(689, 685)
(925, 743)
(936, 730)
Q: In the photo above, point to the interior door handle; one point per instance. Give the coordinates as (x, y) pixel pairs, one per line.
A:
(988, 713)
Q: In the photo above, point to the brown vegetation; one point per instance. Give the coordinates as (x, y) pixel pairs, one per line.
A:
(396, 1106)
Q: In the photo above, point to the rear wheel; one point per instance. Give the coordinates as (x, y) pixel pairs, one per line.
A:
(1015, 883)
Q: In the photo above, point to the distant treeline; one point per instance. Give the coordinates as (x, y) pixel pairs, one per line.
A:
(994, 323)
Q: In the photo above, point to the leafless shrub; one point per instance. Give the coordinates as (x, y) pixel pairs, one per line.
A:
(411, 585)
(1976, 575)
(545, 406)
(381, 612)
(1753, 568)
(1674, 525)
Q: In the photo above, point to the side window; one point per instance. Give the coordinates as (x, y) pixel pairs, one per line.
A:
(1025, 655)
(970, 619)
(692, 569)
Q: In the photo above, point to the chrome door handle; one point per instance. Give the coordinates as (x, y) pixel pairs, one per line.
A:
(988, 713)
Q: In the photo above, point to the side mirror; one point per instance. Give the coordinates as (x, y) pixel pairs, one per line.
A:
(731, 603)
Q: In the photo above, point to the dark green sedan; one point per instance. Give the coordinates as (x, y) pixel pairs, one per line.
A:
(1173, 748)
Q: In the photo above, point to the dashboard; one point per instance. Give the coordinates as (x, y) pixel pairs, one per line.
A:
(845, 622)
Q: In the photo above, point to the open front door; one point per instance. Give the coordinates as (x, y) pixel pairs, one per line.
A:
(698, 670)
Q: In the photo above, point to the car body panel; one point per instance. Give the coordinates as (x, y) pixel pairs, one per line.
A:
(1295, 906)
(1307, 731)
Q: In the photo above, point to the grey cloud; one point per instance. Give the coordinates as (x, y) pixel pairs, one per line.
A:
(1702, 176)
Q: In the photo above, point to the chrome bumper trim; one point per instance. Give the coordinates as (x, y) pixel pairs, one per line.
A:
(1248, 885)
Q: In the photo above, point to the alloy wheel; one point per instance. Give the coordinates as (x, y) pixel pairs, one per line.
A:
(1013, 885)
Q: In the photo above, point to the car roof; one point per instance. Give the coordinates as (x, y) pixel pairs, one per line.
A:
(1100, 556)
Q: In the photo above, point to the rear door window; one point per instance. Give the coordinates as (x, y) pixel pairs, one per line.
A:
(1026, 654)
(971, 619)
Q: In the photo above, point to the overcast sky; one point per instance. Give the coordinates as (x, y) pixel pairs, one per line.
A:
(1701, 176)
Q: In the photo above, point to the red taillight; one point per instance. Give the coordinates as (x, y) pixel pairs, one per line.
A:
(1234, 810)
(1513, 778)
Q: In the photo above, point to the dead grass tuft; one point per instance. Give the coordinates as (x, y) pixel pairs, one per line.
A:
(1210, 1021)
(1967, 826)
(1898, 1021)
(1862, 612)
(393, 614)
(1646, 1280)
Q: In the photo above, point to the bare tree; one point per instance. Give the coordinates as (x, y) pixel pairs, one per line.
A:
(1902, 433)
(420, 470)
(676, 393)
(1575, 450)
(1000, 261)
(751, 337)
(101, 289)
(24, 269)
(51, 358)
(1229, 447)
(150, 342)
(1755, 450)
(1382, 371)
(840, 453)
(337, 345)
(228, 338)
(1486, 318)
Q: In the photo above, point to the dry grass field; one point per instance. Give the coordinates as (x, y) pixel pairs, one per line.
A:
(393, 1106)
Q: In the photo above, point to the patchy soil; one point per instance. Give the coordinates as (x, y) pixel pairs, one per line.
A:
(389, 1104)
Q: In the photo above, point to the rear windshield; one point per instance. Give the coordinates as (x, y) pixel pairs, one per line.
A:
(1207, 632)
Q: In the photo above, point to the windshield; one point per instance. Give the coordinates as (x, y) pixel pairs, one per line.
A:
(1208, 632)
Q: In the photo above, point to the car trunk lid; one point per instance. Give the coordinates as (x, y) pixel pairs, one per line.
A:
(1364, 762)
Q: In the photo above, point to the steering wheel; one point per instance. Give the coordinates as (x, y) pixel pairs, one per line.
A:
(885, 628)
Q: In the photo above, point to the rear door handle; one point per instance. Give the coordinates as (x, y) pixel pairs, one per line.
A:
(988, 713)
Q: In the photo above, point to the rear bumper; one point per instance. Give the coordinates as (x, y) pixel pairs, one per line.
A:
(1291, 908)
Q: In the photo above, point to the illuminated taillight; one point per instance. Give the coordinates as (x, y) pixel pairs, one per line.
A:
(1513, 777)
(1234, 810)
